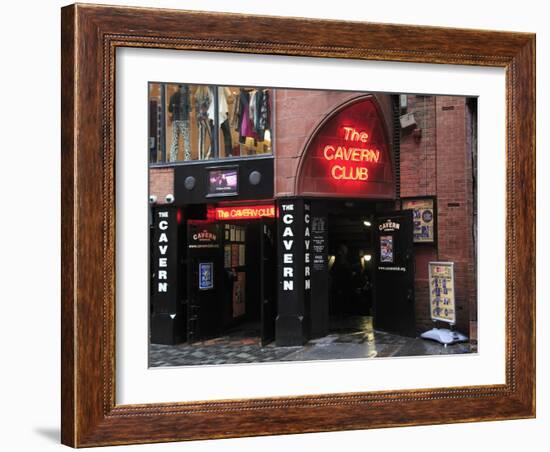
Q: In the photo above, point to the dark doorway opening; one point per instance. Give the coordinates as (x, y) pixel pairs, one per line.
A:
(238, 303)
(371, 268)
(350, 263)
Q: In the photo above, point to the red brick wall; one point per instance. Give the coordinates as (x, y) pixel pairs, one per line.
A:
(418, 157)
(161, 183)
(439, 164)
(297, 114)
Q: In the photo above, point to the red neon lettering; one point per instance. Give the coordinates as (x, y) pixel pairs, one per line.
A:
(340, 172)
(248, 212)
(341, 155)
(351, 154)
(351, 134)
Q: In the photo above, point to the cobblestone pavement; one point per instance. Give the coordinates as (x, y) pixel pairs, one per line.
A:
(349, 338)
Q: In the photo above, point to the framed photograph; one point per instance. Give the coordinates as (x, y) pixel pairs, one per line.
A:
(327, 147)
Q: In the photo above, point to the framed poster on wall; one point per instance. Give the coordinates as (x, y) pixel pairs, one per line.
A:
(206, 275)
(104, 403)
(386, 248)
(424, 218)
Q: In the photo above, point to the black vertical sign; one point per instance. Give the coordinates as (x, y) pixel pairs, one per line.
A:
(290, 323)
(319, 270)
(307, 268)
(164, 260)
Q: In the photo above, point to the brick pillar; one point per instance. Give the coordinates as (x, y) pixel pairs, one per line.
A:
(454, 192)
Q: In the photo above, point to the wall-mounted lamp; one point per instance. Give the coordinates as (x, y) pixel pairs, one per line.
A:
(367, 223)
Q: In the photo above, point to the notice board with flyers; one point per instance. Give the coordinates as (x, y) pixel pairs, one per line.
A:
(424, 216)
(442, 291)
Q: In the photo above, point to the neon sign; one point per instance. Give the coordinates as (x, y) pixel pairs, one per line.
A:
(245, 212)
(349, 155)
(342, 155)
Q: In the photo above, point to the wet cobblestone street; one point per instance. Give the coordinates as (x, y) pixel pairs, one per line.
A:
(352, 338)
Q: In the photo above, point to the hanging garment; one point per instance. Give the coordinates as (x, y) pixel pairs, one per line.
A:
(180, 127)
(246, 128)
(203, 100)
(227, 142)
(223, 108)
(241, 101)
(252, 108)
(263, 115)
(235, 116)
(259, 102)
(205, 130)
(223, 123)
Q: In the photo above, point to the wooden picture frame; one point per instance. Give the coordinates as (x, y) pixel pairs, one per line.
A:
(90, 37)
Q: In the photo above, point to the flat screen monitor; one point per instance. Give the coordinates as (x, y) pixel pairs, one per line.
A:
(223, 182)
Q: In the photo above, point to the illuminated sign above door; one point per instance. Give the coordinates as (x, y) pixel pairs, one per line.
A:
(244, 212)
(349, 161)
(348, 155)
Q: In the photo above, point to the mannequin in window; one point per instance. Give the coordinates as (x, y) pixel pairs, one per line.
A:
(179, 108)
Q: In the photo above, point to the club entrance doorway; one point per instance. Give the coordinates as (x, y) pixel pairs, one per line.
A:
(230, 282)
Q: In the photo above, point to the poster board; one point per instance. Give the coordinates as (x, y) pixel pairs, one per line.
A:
(442, 291)
(206, 275)
(386, 248)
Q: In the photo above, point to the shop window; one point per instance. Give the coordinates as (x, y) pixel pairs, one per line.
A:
(205, 122)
